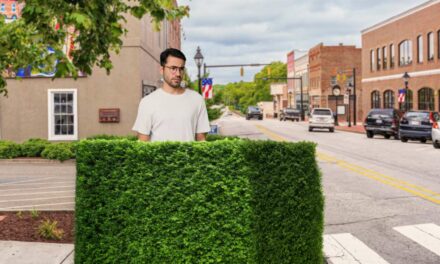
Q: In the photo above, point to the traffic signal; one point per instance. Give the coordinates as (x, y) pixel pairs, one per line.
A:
(241, 71)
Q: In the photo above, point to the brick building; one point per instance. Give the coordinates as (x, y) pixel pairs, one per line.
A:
(408, 42)
(65, 109)
(330, 66)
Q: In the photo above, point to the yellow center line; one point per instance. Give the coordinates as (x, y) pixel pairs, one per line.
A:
(414, 189)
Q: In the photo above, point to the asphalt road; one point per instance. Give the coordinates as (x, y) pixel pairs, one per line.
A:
(38, 186)
(382, 197)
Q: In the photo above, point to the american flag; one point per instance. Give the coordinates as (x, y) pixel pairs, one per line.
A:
(402, 93)
(207, 88)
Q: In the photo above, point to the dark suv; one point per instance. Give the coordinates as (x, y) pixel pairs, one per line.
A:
(383, 122)
(290, 114)
(254, 112)
(417, 125)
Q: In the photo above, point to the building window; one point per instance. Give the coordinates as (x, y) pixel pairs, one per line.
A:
(2, 8)
(409, 97)
(426, 99)
(13, 8)
(372, 60)
(375, 99)
(430, 46)
(385, 58)
(392, 56)
(405, 53)
(63, 117)
(147, 89)
(388, 99)
(438, 44)
(378, 59)
(419, 49)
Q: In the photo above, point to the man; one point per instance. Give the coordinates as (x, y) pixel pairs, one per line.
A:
(172, 113)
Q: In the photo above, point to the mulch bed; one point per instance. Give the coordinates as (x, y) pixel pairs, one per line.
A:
(25, 227)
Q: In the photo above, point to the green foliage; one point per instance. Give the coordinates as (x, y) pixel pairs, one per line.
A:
(112, 137)
(9, 149)
(214, 113)
(240, 95)
(211, 137)
(100, 23)
(48, 229)
(58, 151)
(227, 201)
(34, 213)
(33, 147)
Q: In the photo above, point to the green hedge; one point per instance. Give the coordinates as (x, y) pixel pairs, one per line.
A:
(59, 151)
(227, 201)
(9, 150)
(33, 147)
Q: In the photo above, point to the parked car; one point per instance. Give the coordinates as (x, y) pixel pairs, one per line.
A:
(290, 114)
(383, 122)
(417, 125)
(435, 134)
(322, 118)
(254, 112)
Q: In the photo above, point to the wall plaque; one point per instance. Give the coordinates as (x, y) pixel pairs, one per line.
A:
(109, 115)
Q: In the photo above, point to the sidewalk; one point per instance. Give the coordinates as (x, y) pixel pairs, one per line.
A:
(35, 253)
(359, 128)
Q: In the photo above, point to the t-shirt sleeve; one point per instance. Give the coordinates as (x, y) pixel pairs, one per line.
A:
(143, 120)
(202, 120)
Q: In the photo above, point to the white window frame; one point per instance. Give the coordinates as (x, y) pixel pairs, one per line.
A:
(51, 115)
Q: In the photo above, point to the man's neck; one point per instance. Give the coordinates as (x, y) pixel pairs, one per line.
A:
(171, 90)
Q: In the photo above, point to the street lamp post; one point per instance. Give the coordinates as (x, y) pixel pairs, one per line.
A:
(350, 87)
(290, 99)
(199, 61)
(406, 80)
(336, 92)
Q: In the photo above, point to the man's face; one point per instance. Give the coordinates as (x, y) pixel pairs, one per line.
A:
(172, 71)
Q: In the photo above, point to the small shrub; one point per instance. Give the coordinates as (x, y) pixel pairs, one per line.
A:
(19, 214)
(214, 114)
(58, 151)
(48, 230)
(212, 137)
(34, 213)
(112, 137)
(9, 150)
(33, 147)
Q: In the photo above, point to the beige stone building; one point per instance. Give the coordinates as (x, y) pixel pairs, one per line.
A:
(280, 97)
(65, 109)
(406, 43)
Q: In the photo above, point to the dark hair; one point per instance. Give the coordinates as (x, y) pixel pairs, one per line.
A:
(171, 52)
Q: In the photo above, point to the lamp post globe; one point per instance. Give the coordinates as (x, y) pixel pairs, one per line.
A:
(198, 58)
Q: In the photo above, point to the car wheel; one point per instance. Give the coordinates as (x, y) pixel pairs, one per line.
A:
(403, 139)
(248, 118)
(310, 129)
(436, 144)
(423, 140)
(387, 136)
(370, 134)
(331, 130)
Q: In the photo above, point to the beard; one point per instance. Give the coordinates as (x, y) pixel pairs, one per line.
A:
(174, 83)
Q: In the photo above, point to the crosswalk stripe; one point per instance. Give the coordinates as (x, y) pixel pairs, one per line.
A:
(347, 249)
(427, 235)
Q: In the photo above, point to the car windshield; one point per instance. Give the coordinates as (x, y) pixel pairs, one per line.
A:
(290, 110)
(324, 112)
(381, 113)
(254, 109)
(417, 115)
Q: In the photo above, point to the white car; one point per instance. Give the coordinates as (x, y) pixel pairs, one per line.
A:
(322, 118)
(435, 118)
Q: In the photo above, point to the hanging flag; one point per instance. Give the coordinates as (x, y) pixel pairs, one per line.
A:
(207, 88)
(402, 93)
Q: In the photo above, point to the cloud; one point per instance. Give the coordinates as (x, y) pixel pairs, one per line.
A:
(262, 31)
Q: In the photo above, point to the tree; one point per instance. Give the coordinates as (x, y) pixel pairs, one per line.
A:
(25, 42)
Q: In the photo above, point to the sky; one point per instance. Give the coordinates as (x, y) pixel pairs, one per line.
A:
(263, 31)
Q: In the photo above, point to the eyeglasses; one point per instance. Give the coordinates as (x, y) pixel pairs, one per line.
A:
(174, 69)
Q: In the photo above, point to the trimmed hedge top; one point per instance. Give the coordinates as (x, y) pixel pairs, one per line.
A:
(229, 201)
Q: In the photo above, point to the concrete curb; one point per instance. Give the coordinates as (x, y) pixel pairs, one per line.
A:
(35, 161)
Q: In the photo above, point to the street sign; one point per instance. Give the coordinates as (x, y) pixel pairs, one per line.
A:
(214, 130)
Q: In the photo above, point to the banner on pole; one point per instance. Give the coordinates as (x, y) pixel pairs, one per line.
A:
(402, 95)
(207, 88)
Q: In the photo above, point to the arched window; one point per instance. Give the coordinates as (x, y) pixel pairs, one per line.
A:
(426, 99)
(375, 99)
(409, 100)
(388, 99)
(405, 52)
(430, 46)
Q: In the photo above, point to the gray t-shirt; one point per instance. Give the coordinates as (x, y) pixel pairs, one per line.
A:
(168, 117)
